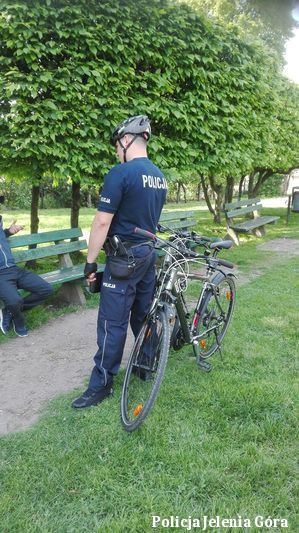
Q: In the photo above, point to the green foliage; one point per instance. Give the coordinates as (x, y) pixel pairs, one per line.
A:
(68, 74)
(271, 21)
(16, 197)
(272, 187)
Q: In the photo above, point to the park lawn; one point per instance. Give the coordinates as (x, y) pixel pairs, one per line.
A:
(222, 443)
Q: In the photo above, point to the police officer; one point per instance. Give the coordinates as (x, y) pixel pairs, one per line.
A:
(133, 195)
(13, 278)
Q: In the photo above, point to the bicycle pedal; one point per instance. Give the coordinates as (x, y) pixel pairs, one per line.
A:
(141, 373)
(205, 366)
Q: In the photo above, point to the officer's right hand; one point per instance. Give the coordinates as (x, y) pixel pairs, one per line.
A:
(90, 271)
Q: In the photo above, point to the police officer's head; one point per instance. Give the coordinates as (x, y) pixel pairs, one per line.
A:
(135, 129)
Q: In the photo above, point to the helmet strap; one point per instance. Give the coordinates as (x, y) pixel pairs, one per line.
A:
(127, 147)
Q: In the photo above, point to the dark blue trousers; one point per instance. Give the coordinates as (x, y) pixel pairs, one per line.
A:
(119, 298)
(14, 278)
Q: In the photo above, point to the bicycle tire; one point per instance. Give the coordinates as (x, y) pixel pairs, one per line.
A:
(215, 314)
(138, 396)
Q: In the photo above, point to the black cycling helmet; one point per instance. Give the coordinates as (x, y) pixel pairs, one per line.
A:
(139, 126)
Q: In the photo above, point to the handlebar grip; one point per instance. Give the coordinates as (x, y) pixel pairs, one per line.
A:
(190, 253)
(145, 233)
(225, 263)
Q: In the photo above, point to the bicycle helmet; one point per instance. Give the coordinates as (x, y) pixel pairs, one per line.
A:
(138, 125)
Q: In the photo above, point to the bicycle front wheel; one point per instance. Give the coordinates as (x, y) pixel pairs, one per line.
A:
(145, 370)
(215, 315)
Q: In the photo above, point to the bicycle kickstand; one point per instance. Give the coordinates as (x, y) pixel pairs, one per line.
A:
(218, 346)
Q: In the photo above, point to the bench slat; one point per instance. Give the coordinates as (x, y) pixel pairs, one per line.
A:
(254, 223)
(45, 236)
(176, 215)
(48, 251)
(182, 224)
(249, 201)
(243, 211)
(56, 277)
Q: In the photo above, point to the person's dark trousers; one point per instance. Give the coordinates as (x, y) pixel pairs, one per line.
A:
(118, 298)
(14, 278)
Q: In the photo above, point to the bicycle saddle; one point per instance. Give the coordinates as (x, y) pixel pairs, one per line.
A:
(221, 244)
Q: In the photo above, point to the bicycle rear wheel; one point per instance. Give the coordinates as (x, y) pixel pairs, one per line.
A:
(145, 370)
(215, 315)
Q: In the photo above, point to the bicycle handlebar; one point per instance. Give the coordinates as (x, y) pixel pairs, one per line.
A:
(145, 233)
(225, 263)
(186, 251)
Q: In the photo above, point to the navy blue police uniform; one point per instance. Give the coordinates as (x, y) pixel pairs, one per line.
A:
(13, 278)
(135, 193)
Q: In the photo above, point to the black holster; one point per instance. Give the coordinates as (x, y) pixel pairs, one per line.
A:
(120, 260)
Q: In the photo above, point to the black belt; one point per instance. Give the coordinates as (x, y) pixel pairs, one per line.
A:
(130, 244)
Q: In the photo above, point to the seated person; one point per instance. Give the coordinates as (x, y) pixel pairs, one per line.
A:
(13, 278)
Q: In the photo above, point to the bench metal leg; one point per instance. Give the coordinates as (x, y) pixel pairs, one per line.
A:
(72, 293)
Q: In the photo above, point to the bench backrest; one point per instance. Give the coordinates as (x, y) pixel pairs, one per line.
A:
(243, 207)
(178, 219)
(57, 239)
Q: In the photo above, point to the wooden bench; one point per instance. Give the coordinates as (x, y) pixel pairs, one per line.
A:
(255, 225)
(181, 220)
(56, 243)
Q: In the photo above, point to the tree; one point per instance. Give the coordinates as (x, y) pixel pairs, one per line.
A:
(270, 21)
(278, 151)
(69, 74)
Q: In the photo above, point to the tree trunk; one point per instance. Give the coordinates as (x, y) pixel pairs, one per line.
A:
(89, 202)
(198, 191)
(219, 191)
(206, 195)
(42, 199)
(75, 204)
(263, 175)
(229, 189)
(251, 184)
(241, 187)
(184, 190)
(178, 190)
(34, 220)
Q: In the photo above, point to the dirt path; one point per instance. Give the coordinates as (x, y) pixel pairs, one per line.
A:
(57, 357)
(53, 359)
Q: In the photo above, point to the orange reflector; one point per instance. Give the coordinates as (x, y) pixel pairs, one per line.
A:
(228, 295)
(137, 409)
(203, 343)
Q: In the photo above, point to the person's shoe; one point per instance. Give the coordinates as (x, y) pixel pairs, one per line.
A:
(19, 327)
(90, 397)
(5, 320)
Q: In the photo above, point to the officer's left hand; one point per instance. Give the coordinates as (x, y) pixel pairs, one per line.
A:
(15, 228)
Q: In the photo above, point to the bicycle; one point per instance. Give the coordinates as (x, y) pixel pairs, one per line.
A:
(168, 321)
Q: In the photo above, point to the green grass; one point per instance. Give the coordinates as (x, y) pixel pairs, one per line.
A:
(222, 443)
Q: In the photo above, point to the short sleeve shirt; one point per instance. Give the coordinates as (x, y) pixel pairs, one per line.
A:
(135, 192)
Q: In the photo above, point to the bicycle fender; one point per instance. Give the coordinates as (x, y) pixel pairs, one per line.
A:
(219, 276)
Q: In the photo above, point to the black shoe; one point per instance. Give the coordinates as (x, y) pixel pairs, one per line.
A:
(142, 373)
(91, 397)
(21, 331)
